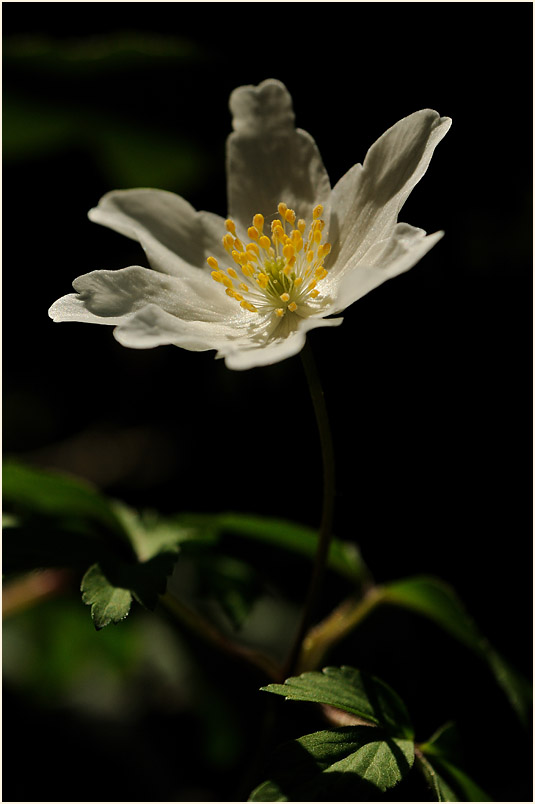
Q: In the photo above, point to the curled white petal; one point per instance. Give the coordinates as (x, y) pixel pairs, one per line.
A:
(367, 200)
(246, 355)
(386, 259)
(176, 238)
(106, 297)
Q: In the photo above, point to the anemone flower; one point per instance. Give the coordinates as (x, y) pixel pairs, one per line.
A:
(292, 253)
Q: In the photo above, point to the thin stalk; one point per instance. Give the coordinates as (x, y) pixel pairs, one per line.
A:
(325, 530)
(204, 628)
(336, 626)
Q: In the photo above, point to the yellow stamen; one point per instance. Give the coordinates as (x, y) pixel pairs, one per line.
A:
(263, 280)
(285, 297)
(253, 232)
(317, 211)
(289, 216)
(248, 306)
(265, 242)
(231, 226)
(279, 312)
(282, 207)
(231, 272)
(292, 307)
(258, 222)
(212, 262)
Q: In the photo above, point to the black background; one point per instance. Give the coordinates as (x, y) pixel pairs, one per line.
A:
(428, 380)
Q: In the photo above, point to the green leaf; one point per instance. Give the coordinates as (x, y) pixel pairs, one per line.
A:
(231, 582)
(352, 691)
(438, 758)
(109, 603)
(336, 765)
(436, 600)
(27, 490)
(344, 557)
(438, 785)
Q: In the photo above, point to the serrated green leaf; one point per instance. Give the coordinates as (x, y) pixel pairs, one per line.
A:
(336, 765)
(436, 600)
(109, 603)
(352, 691)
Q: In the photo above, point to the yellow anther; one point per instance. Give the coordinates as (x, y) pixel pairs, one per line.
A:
(253, 249)
(289, 216)
(212, 262)
(301, 225)
(263, 280)
(233, 294)
(258, 222)
(288, 251)
(310, 255)
(297, 240)
(324, 250)
(298, 281)
(314, 293)
(231, 272)
(238, 244)
(279, 312)
(248, 269)
(231, 226)
(216, 276)
(253, 232)
(285, 297)
(292, 307)
(243, 287)
(265, 242)
(317, 211)
(317, 235)
(320, 273)
(228, 242)
(282, 207)
(226, 281)
(235, 256)
(248, 306)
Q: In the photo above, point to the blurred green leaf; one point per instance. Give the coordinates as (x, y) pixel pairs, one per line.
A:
(336, 765)
(27, 490)
(352, 691)
(129, 155)
(436, 600)
(231, 582)
(439, 787)
(122, 51)
(344, 557)
(438, 759)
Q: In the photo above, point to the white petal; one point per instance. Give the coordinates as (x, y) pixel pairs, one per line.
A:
(245, 355)
(108, 297)
(367, 200)
(176, 238)
(151, 326)
(269, 160)
(386, 259)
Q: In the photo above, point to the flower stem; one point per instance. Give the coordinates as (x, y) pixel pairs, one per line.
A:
(325, 530)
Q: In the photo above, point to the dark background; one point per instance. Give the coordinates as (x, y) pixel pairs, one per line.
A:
(428, 380)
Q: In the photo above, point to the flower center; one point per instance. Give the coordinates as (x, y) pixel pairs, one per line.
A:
(277, 273)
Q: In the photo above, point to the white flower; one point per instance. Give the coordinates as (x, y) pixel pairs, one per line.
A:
(292, 252)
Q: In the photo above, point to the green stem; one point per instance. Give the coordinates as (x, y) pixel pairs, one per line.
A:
(347, 616)
(325, 530)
